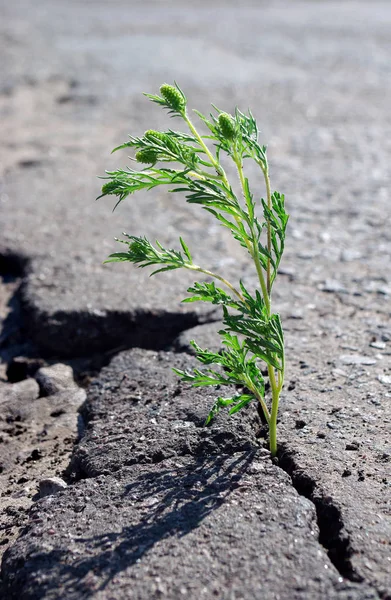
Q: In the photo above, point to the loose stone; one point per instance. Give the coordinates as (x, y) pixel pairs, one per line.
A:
(55, 379)
(51, 485)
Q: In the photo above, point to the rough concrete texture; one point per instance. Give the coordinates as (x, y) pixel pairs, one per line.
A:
(224, 526)
(160, 417)
(316, 75)
(336, 423)
(334, 430)
(36, 438)
(323, 108)
(140, 424)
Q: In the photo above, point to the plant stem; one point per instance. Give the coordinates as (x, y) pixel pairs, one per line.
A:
(260, 400)
(227, 283)
(275, 387)
(265, 171)
(266, 291)
(202, 175)
(271, 417)
(219, 169)
(254, 251)
(273, 421)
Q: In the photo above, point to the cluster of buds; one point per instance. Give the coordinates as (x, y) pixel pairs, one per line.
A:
(164, 147)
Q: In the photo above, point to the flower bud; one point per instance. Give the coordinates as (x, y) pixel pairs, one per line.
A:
(164, 138)
(146, 156)
(227, 126)
(173, 97)
(151, 134)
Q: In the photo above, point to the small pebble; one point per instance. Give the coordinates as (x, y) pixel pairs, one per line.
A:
(55, 379)
(339, 373)
(378, 345)
(23, 392)
(352, 445)
(51, 485)
(332, 286)
(350, 255)
(356, 359)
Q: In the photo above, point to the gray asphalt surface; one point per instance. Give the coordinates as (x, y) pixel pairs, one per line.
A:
(317, 77)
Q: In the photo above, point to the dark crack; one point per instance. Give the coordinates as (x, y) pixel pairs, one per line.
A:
(117, 331)
(12, 264)
(332, 533)
(70, 333)
(13, 340)
(87, 340)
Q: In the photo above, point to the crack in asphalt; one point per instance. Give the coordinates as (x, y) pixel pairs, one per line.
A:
(332, 533)
(70, 334)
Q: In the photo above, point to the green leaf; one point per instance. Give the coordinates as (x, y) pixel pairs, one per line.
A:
(123, 183)
(218, 404)
(117, 257)
(237, 368)
(208, 292)
(235, 228)
(164, 147)
(239, 402)
(205, 356)
(262, 337)
(142, 253)
(278, 219)
(186, 250)
(256, 347)
(210, 194)
(199, 378)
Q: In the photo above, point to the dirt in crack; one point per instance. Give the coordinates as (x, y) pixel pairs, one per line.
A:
(332, 534)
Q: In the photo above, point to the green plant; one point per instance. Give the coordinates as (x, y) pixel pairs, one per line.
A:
(252, 332)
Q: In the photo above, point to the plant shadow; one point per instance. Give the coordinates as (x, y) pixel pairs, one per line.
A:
(160, 503)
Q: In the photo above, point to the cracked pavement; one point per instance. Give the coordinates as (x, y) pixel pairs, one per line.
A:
(153, 504)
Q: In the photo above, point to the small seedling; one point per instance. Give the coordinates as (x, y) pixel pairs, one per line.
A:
(252, 333)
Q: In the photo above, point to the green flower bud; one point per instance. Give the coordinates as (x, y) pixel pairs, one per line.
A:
(173, 97)
(227, 126)
(146, 156)
(166, 140)
(109, 188)
(151, 134)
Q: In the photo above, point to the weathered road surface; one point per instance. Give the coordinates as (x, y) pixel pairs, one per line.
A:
(158, 506)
